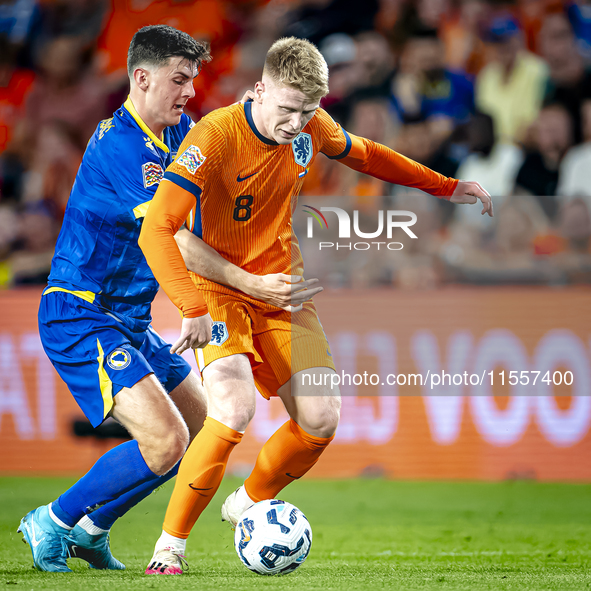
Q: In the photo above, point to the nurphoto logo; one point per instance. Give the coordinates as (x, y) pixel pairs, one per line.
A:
(392, 219)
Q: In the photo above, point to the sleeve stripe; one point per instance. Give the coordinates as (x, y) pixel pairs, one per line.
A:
(198, 226)
(195, 190)
(184, 183)
(344, 153)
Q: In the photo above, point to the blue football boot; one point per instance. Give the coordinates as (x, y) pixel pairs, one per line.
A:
(46, 539)
(94, 549)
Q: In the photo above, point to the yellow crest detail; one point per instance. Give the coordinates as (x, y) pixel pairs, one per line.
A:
(104, 126)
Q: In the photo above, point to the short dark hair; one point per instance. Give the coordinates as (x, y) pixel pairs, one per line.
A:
(156, 44)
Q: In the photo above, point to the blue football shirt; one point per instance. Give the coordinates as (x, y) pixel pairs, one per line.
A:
(97, 254)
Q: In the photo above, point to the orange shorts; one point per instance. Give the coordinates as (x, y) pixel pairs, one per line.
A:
(278, 343)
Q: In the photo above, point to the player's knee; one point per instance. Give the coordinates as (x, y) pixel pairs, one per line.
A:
(237, 417)
(167, 448)
(235, 409)
(179, 441)
(324, 420)
(246, 414)
(328, 426)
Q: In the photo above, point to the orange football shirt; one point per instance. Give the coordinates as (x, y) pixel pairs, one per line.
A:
(237, 190)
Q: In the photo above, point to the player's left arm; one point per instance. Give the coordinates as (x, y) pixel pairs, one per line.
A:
(390, 166)
(387, 165)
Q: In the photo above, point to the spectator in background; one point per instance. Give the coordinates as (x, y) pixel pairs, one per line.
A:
(579, 15)
(432, 14)
(416, 16)
(510, 88)
(81, 18)
(575, 229)
(247, 57)
(416, 266)
(575, 226)
(424, 87)
(461, 36)
(84, 19)
(19, 20)
(538, 175)
(66, 90)
(370, 118)
(15, 84)
(406, 85)
(570, 79)
(574, 178)
(507, 258)
(493, 164)
(340, 52)
(421, 140)
(531, 15)
(424, 141)
(316, 19)
(8, 235)
(376, 63)
(30, 262)
(55, 160)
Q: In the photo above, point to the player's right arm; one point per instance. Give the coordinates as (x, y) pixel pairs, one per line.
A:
(176, 197)
(168, 210)
(288, 292)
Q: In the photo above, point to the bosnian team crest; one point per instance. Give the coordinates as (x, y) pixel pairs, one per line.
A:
(152, 174)
(302, 148)
(104, 126)
(119, 359)
(219, 334)
(191, 159)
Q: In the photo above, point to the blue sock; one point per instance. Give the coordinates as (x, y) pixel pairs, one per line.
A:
(105, 516)
(118, 471)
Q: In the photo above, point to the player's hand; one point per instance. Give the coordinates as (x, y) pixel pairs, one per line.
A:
(470, 192)
(247, 96)
(288, 292)
(195, 334)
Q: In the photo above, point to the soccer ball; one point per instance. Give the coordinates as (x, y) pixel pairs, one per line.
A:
(273, 538)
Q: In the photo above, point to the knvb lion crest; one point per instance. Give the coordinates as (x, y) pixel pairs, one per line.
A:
(302, 149)
(219, 334)
(191, 159)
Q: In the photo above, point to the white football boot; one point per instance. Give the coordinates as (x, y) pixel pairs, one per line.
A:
(168, 561)
(235, 505)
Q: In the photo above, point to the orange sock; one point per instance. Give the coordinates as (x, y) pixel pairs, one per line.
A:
(200, 474)
(287, 456)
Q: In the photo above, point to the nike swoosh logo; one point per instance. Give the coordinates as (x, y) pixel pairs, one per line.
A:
(292, 476)
(34, 541)
(195, 488)
(239, 178)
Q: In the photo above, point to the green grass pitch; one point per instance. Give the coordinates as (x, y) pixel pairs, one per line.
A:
(368, 534)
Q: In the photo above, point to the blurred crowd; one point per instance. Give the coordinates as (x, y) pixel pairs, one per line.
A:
(491, 91)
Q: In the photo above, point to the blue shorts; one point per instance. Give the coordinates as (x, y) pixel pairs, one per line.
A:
(97, 356)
